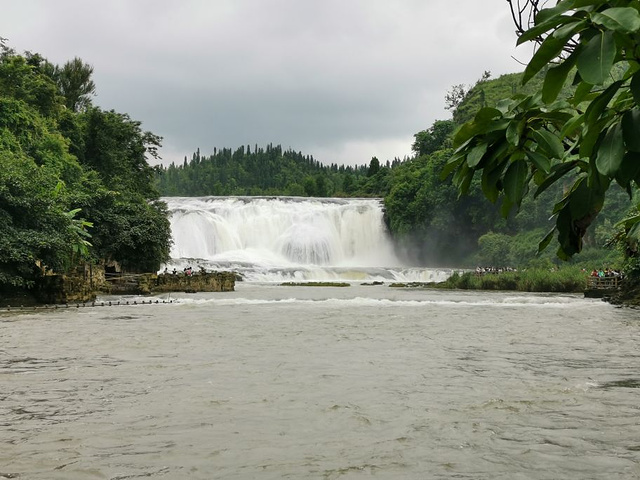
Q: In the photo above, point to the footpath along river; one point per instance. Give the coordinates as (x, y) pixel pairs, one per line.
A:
(278, 382)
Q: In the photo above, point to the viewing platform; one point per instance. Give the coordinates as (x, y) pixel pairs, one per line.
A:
(599, 287)
(607, 283)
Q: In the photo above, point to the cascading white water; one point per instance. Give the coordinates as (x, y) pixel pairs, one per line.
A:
(287, 238)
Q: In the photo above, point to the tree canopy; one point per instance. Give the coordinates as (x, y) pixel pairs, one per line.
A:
(271, 170)
(75, 184)
(587, 140)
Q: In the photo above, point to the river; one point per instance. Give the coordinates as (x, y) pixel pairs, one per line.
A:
(276, 382)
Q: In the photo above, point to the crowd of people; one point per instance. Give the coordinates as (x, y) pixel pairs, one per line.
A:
(599, 273)
(186, 271)
(605, 273)
(486, 270)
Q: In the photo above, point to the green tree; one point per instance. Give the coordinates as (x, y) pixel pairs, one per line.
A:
(117, 148)
(73, 187)
(35, 231)
(374, 167)
(436, 137)
(130, 224)
(21, 82)
(493, 250)
(74, 81)
(425, 214)
(455, 96)
(589, 138)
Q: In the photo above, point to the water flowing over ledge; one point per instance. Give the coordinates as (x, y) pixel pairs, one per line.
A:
(274, 239)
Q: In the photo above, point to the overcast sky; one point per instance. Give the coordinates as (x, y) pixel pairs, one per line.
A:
(342, 80)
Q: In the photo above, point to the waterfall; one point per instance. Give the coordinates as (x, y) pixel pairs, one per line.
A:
(285, 238)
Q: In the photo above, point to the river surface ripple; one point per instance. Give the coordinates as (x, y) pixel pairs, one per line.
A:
(323, 383)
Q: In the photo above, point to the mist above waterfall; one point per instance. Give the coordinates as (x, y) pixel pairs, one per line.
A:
(280, 238)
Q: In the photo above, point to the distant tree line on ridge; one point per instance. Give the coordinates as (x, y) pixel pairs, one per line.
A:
(271, 170)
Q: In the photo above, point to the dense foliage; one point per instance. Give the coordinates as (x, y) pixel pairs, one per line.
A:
(74, 182)
(586, 140)
(271, 171)
(436, 225)
(569, 279)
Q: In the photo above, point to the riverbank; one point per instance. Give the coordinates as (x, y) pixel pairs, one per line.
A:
(84, 284)
(564, 280)
(627, 296)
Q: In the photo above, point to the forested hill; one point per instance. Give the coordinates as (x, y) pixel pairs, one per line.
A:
(426, 213)
(270, 170)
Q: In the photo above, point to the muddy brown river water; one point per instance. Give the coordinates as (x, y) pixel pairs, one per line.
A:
(276, 382)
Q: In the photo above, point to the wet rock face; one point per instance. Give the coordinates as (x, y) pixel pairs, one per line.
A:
(199, 282)
(83, 287)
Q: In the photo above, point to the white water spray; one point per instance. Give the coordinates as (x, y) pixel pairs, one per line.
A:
(288, 238)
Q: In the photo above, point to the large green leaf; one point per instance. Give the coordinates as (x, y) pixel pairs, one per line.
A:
(549, 143)
(555, 117)
(487, 114)
(582, 91)
(563, 6)
(496, 154)
(598, 104)
(629, 169)
(610, 151)
(506, 207)
(570, 29)
(454, 162)
(635, 88)
(596, 58)
(556, 77)
(514, 131)
(569, 243)
(476, 154)
(538, 30)
(631, 129)
(557, 172)
(619, 19)
(484, 123)
(572, 126)
(540, 161)
(464, 135)
(462, 178)
(583, 200)
(591, 135)
(490, 179)
(551, 48)
(515, 181)
(544, 243)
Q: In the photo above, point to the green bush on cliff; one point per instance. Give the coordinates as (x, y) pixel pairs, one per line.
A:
(71, 192)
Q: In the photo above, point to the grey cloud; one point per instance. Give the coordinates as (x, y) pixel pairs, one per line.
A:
(308, 74)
